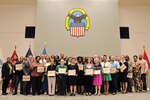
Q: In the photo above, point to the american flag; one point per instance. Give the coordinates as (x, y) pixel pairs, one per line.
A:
(77, 29)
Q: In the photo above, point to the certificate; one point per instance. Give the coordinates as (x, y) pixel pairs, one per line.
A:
(51, 73)
(40, 69)
(80, 67)
(106, 70)
(113, 70)
(19, 66)
(89, 72)
(71, 72)
(62, 70)
(26, 78)
(122, 68)
(129, 75)
(97, 72)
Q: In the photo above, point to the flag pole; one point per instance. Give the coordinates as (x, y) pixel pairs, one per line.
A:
(44, 44)
(15, 45)
(144, 47)
(29, 45)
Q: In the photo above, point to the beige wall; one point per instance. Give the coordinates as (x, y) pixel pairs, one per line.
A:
(14, 16)
(137, 17)
(102, 37)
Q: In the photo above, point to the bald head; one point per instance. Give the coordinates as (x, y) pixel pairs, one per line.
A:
(140, 56)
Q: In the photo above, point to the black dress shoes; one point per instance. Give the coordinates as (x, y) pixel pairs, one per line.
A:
(4, 93)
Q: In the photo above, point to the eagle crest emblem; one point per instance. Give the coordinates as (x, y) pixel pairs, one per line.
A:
(77, 22)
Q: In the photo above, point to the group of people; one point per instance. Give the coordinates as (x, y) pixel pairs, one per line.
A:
(60, 75)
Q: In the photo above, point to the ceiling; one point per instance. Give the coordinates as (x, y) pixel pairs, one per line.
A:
(19, 2)
(134, 2)
(121, 2)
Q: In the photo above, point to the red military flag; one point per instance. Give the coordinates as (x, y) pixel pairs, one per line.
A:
(145, 57)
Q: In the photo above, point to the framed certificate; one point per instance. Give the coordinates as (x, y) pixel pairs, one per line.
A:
(113, 70)
(122, 68)
(40, 69)
(26, 78)
(106, 70)
(19, 66)
(89, 72)
(80, 67)
(129, 75)
(62, 70)
(71, 72)
(97, 72)
(51, 73)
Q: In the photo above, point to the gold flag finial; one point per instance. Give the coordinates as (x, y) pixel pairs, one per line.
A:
(144, 47)
(15, 45)
(44, 44)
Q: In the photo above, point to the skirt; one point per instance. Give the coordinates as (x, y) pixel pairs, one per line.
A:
(97, 80)
(80, 78)
(107, 77)
(72, 80)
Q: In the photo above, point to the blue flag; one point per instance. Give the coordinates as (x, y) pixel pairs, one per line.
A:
(29, 53)
(44, 51)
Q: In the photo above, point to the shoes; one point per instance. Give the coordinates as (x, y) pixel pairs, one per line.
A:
(51, 94)
(113, 93)
(4, 93)
(106, 93)
(95, 94)
(74, 94)
(71, 94)
(90, 94)
(87, 94)
(14, 93)
(98, 94)
(82, 93)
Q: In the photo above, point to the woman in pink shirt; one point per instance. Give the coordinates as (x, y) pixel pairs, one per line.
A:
(36, 76)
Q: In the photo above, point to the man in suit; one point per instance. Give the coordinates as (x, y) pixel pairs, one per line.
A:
(6, 75)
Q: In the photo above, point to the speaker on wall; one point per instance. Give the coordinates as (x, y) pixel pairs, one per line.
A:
(30, 32)
(124, 33)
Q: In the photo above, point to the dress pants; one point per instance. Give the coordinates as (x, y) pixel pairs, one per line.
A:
(113, 83)
(143, 77)
(36, 84)
(26, 87)
(61, 84)
(18, 79)
(88, 83)
(5, 84)
(51, 85)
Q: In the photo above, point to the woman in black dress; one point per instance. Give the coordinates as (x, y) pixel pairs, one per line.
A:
(124, 75)
(72, 79)
(80, 75)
